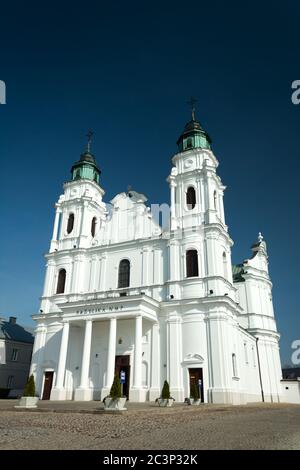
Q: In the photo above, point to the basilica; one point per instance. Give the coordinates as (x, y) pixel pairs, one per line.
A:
(126, 295)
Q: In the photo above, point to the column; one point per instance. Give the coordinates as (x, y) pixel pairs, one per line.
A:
(83, 392)
(56, 222)
(173, 205)
(37, 355)
(111, 354)
(58, 392)
(221, 203)
(155, 363)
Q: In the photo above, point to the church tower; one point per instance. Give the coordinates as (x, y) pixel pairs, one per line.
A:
(202, 299)
(200, 247)
(80, 213)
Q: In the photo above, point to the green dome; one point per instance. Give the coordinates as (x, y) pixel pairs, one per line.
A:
(193, 136)
(86, 168)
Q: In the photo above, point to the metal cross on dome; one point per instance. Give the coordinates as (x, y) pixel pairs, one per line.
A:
(192, 103)
(89, 136)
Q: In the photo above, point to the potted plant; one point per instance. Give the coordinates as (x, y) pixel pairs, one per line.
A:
(195, 396)
(165, 399)
(28, 400)
(115, 401)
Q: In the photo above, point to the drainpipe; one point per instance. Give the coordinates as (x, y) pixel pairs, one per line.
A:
(259, 370)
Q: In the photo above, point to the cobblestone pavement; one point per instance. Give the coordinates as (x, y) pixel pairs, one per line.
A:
(261, 426)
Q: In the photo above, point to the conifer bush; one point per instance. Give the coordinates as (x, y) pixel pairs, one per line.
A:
(115, 391)
(29, 390)
(165, 393)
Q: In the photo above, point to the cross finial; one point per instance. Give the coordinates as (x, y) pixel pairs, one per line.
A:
(192, 103)
(89, 136)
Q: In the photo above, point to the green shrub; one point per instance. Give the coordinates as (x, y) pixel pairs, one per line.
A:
(115, 391)
(165, 393)
(29, 390)
(194, 391)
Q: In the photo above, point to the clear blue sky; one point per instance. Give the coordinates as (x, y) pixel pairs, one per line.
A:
(126, 70)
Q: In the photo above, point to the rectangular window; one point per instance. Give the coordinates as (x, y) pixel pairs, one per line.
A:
(10, 381)
(15, 354)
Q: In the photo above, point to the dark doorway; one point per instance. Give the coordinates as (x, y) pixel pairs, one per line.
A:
(122, 364)
(47, 385)
(196, 376)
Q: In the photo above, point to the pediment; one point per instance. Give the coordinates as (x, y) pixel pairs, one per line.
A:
(193, 359)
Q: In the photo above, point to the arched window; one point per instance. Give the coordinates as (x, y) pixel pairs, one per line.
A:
(93, 226)
(124, 273)
(192, 263)
(70, 223)
(191, 198)
(61, 281)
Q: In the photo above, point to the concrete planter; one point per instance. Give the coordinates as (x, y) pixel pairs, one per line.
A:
(191, 401)
(117, 404)
(163, 402)
(27, 402)
(195, 402)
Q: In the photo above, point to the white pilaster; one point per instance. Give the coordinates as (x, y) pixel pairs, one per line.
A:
(175, 358)
(135, 393)
(173, 204)
(103, 272)
(84, 392)
(55, 229)
(155, 363)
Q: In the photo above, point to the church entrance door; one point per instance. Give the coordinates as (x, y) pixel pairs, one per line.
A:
(47, 385)
(196, 376)
(122, 365)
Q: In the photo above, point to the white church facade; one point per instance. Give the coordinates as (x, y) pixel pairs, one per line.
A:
(122, 293)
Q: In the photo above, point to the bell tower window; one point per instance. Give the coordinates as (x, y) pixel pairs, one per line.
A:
(61, 281)
(215, 200)
(189, 143)
(191, 198)
(70, 223)
(192, 263)
(93, 226)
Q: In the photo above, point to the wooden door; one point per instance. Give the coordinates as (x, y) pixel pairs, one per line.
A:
(47, 385)
(122, 364)
(196, 376)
